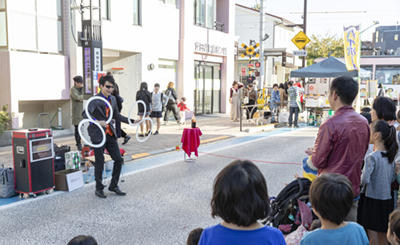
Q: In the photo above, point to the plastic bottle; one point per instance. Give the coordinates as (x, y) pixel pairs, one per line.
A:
(193, 121)
(311, 120)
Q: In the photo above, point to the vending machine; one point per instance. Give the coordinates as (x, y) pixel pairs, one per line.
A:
(33, 156)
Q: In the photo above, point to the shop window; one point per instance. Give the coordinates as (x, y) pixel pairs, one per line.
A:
(387, 74)
(204, 13)
(365, 79)
(137, 12)
(106, 9)
(3, 29)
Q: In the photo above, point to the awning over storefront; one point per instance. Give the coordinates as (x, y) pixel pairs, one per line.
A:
(330, 67)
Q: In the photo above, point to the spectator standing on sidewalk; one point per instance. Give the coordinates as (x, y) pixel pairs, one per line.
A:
(159, 101)
(275, 99)
(118, 129)
(294, 103)
(235, 100)
(252, 94)
(342, 140)
(282, 93)
(172, 102)
(182, 110)
(76, 95)
(144, 95)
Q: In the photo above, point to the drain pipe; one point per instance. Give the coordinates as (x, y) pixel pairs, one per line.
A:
(59, 118)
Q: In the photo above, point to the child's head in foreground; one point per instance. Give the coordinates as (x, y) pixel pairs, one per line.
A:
(194, 236)
(240, 194)
(393, 232)
(331, 196)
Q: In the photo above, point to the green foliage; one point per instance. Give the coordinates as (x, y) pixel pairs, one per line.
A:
(320, 46)
(5, 119)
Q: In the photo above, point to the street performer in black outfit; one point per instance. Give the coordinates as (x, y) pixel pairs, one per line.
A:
(99, 111)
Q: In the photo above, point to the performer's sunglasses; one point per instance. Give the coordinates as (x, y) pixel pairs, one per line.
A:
(109, 86)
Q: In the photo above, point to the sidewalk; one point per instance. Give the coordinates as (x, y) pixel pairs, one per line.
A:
(214, 127)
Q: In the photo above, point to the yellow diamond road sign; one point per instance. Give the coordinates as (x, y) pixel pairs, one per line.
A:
(300, 40)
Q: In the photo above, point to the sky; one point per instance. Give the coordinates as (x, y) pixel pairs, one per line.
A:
(387, 12)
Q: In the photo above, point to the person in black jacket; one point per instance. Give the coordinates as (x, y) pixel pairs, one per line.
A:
(99, 111)
(120, 131)
(144, 94)
(172, 102)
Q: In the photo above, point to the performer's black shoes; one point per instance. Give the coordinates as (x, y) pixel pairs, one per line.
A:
(117, 191)
(126, 139)
(100, 193)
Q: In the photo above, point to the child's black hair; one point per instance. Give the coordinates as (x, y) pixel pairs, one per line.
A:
(394, 220)
(367, 116)
(385, 108)
(331, 195)
(398, 114)
(83, 240)
(240, 194)
(194, 236)
(388, 135)
(183, 98)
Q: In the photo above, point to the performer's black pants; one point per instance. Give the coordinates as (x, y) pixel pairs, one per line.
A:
(112, 147)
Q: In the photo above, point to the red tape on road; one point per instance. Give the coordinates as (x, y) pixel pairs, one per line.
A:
(237, 158)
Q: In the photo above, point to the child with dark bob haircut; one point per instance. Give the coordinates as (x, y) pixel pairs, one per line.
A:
(331, 196)
(240, 198)
(393, 233)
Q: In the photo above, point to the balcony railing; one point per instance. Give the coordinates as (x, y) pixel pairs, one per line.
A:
(218, 26)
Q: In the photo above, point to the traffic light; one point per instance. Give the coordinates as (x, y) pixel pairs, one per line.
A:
(251, 79)
(258, 64)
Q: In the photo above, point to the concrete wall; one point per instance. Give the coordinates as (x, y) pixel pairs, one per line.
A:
(37, 77)
(5, 91)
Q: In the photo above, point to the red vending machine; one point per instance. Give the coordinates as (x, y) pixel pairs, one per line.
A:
(33, 155)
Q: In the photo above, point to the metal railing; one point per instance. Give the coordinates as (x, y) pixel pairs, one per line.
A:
(218, 26)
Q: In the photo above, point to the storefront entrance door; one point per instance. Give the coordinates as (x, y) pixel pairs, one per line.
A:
(207, 91)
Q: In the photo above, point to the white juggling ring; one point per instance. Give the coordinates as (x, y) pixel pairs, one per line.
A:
(110, 115)
(130, 110)
(151, 129)
(83, 138)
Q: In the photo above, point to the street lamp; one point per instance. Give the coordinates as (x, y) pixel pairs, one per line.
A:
(375, 23)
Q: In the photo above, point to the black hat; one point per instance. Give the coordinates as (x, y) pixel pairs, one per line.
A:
(78, 79)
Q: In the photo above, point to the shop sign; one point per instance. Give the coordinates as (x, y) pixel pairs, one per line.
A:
(210, 49)
(88, 76)
(287, 60)
(243, 71)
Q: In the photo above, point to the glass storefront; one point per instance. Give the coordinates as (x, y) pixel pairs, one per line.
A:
(207, 93)
(387, 74)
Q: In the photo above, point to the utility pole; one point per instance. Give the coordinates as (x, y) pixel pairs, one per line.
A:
(304, 28)
(262, 30)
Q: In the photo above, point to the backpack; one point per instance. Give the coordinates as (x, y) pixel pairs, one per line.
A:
(170, 96)
(162, 104)
(7, 183)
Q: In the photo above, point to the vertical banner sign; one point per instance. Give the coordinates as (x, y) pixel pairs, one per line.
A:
(243, 71)
(351, 47)
(96, 69)
(88, 77)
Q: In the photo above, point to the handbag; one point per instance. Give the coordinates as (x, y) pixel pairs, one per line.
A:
(246, 100)
(7, 183)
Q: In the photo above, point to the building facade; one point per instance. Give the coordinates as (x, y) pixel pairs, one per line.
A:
(190, 43)
(386, 39)
(278, 48)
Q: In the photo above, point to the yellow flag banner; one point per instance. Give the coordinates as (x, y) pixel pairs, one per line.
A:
(351, 47)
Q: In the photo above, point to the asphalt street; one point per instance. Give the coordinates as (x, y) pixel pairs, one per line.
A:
(166, 199)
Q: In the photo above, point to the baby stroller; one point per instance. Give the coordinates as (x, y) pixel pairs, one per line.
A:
(285, 213)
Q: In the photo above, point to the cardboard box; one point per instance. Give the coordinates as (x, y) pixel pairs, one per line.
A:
(69, 179)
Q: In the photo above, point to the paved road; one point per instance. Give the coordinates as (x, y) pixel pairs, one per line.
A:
(167, 197)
